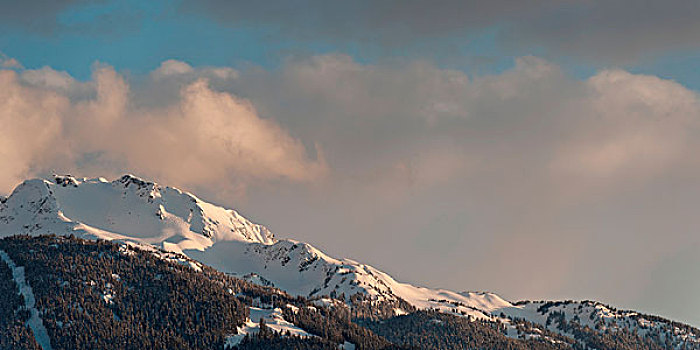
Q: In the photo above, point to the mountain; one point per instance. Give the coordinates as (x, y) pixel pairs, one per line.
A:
(69, 293)
(156, 217)
(135, 210)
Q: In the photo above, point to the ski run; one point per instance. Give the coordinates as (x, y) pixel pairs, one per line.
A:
(40, 334)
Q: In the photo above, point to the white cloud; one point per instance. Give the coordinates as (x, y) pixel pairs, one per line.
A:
(204, 137)
(31, 129)
(532, 117)
(210, 136)
(637, 127)
(172, 67)
(9, 62)
(48, 78)
(178, 69)
(530, 159)
(595, 31)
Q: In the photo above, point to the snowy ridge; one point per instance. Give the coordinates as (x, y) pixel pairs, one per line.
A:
(134, 210)
(595, 315)
(34, 322)
(127, 208)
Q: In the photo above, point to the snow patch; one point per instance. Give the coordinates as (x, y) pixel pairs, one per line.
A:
(347, 346)
(273, 320)
(34, 322)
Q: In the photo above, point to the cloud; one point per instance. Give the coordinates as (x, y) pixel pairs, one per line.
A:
(645, 124)
(49, 78)
(8, 62)
(52, 19)
(54, 123)
(385, 22)
(174, 69)
(31, 129)
(614, 32)
(607, 32)
(36, 16)
(599, 129)
(211, 135)
(585, 172)
(618, 31)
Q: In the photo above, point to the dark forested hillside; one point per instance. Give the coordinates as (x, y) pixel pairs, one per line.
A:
(98, 295)
(102, 295)
(14, 333)
(435, 330)
(105, 295)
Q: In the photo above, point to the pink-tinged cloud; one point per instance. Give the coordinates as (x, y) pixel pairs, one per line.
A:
(203, 137)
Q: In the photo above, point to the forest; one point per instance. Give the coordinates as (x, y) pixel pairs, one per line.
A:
(96, 294)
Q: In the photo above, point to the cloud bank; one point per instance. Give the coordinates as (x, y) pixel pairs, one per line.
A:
(52, 122)
(483, 182)
(613, 31)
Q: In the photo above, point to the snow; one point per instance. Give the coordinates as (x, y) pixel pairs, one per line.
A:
(399, 312)
(257, 279)
(144, 213)
(293, 308)
(127, 208)
(234, 340)
(273, 320)
(347, 346)
(327, 302)
(588, 313)
(34, 322)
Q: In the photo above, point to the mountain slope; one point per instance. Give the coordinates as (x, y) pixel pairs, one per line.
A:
(128, 208)
(132, 209)
(103, 295)
(588, 322)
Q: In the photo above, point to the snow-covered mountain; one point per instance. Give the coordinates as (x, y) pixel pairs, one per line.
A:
(127, 208)
(134, 210)
(569, 317)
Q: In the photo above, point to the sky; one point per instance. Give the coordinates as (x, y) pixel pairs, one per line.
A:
(536, 149)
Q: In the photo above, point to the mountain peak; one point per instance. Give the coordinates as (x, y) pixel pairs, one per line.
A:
(65, 180)
(129, 208)
(129, 179)
(141, 211)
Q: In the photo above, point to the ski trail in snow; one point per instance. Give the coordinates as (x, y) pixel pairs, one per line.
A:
(35, 323)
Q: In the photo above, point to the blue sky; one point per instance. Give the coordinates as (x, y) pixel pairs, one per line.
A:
(538, 149)
(137, 37)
